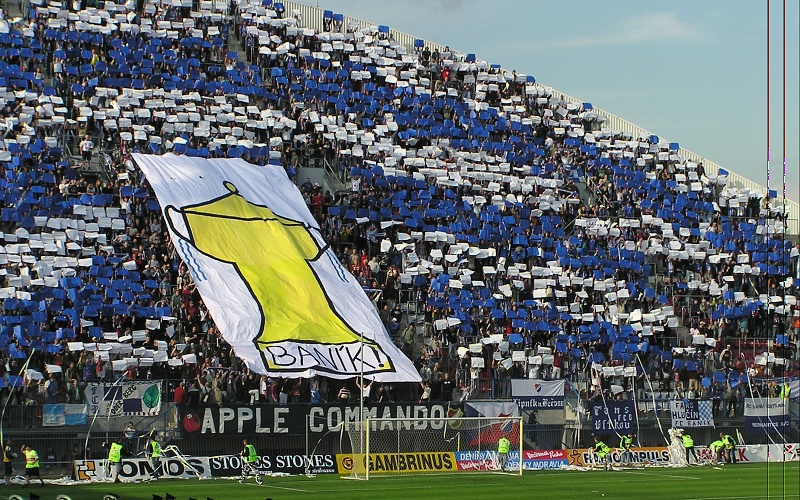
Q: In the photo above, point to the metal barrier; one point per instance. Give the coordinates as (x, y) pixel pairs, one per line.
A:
(490, 388)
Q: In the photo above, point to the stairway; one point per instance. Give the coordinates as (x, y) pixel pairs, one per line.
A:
(586, 196)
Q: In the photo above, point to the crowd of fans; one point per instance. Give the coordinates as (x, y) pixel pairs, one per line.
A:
(500, 230)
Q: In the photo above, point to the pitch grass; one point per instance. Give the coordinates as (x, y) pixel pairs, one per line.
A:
(730, 482)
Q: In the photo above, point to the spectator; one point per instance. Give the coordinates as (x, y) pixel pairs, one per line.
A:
(180, 395)
(344, 394)
(504, 244)
(51, 390)
(85, 147)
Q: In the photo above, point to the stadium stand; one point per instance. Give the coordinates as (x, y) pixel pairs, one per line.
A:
(520, 236)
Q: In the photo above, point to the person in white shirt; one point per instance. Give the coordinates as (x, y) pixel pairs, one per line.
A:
(86, 146)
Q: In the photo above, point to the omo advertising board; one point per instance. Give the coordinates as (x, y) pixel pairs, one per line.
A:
(138, 469)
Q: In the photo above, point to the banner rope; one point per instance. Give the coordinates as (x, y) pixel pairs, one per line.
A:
(8, 400)
(653, 396)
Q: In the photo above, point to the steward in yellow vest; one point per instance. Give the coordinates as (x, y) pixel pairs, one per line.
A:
(31, 465)
(688, 445)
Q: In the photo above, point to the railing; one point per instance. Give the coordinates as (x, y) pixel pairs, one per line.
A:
(311, 17)
(573, 397)
(490, 388)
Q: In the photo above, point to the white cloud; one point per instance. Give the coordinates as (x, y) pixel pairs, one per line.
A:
(656, 27)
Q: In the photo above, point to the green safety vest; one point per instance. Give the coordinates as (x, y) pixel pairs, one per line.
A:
(503, 445)
(728, 441)
(785, 390)
(716, 445)
(31, 460)
(601, 448)
(156, 452)
(115, 453)
(688, 442)
(251, 455)
(625, 442)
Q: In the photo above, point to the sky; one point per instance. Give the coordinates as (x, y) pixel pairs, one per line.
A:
(692, 72)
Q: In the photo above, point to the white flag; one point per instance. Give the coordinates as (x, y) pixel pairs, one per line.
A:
(275, 289)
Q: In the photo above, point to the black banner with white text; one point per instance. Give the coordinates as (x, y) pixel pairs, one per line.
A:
(292, 419)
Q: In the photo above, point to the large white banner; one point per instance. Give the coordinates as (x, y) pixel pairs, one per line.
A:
(766, 415)
(691, 413)
(130, 398)
(532, 394)
(276, 290)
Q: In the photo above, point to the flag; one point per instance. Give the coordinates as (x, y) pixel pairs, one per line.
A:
(691, 413)
(613, 417)
(129, 398)
(63, 414)
(766, 415)
(275, 289)
(538, 394)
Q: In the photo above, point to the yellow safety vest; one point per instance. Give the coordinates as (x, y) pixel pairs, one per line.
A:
(688, 442)
(115, 453)
(785, 390)
(31, 459)
(8, 454)
(503, 445)
(251, 455)
(729, 442)
(156, 449)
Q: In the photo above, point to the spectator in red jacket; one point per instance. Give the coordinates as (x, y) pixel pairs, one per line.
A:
(180, 394)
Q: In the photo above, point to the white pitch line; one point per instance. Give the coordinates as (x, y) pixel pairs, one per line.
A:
(278, 487)
(660, 475)
(427, 487)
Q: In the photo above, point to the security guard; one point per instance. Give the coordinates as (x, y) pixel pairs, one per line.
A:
(602, 451)
(503, 445)
(155, 456)
(115, 459)
(688, 444)
(785, 389)
(716, 451)
(249, 463)
(8, 458)
(31, 465)
(625, 443)
(730, 447)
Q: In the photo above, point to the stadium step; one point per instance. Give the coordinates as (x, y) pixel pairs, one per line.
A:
(584, 193)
